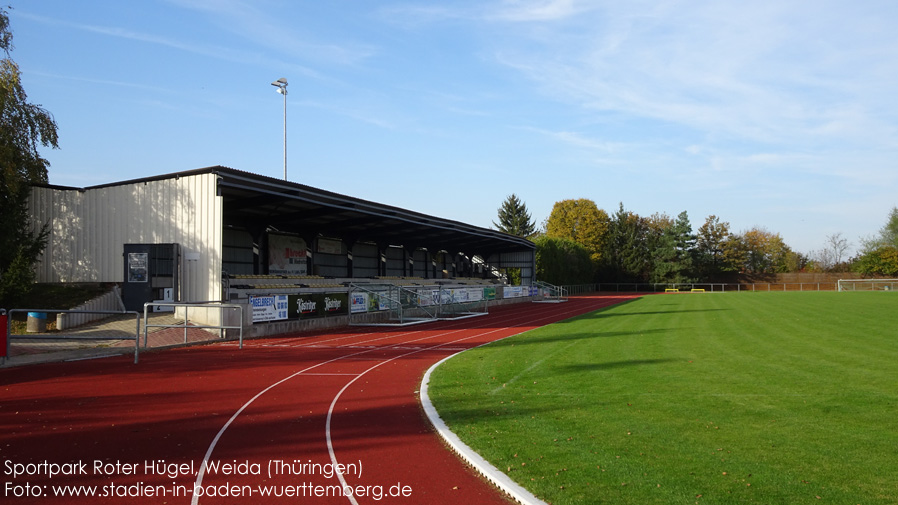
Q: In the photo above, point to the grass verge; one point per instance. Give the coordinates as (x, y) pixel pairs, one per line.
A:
(781, 398)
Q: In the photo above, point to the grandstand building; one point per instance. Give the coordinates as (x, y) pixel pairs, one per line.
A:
(220, 234)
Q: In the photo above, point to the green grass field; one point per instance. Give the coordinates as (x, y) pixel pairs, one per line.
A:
(775, 398)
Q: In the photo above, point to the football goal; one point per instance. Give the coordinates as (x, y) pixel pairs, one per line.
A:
(868, 284)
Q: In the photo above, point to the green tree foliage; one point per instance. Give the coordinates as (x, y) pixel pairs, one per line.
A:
(626, 256)
(562, 261)
(581, 221)
(888, 234)
(514, 218)
(23, 127)
(881, 261)
(710, 248)
(879, 255)
(673, 250)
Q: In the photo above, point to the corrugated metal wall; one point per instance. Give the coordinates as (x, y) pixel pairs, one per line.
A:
(523, 260)
(88, 229)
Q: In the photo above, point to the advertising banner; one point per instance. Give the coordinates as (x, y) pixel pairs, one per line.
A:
(269, 308)
(513, 292)
(330, 246)
(283, 307)
(318, 305)
(286, 255)
(358, 303)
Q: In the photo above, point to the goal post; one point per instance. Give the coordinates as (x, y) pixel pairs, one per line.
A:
(867, 284)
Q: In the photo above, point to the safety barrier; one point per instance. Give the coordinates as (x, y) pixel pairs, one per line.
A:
(187, 306)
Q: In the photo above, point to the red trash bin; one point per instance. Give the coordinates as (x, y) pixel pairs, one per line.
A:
(3, 337)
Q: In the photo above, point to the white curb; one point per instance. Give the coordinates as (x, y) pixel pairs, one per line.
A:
(502, 481)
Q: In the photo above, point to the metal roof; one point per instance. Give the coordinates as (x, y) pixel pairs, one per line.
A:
(250, 199)
(256, 203)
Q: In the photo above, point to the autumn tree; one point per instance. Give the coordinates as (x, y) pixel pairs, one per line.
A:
(23, 127)
(762, 252)
(581, 221)
(514, 218)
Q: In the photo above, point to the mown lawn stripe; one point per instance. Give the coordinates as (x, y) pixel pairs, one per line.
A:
(723, 398)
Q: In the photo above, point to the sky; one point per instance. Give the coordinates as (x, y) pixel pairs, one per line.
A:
(775, 114)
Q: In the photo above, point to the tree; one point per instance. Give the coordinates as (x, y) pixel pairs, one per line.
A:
(672, 251)
(762, 252)
(879, 255)
(23, 127)
(581, 221)
(888, 234)
(625, 257)
(562, 261)
(880, 261)
(514, 218)
(710, 246)
(833, 255)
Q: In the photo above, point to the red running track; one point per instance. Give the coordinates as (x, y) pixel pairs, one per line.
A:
(328, 418)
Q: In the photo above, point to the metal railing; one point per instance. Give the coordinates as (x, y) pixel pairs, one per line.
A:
(136, 337)
(185, 324)
(552, 292)
(644, 287)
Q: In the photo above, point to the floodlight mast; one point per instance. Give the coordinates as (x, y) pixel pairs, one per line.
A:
(281, 85)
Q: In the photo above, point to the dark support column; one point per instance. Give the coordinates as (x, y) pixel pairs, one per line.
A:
(404, 262)
(411, 262)
(310, 245)
(349, 246)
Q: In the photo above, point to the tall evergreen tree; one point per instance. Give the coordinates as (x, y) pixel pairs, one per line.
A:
(514, 218)
(672, 251)
(23, 127)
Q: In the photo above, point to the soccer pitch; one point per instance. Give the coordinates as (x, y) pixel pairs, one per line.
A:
(776, 398)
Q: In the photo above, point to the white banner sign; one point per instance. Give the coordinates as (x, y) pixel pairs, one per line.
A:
(269, 308)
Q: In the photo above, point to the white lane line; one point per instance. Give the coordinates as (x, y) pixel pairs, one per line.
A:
(208, 455)
(199, 477)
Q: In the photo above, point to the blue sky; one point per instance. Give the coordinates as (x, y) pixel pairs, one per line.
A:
(775, 114)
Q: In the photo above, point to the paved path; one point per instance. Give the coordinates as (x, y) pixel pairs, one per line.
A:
(51, 346)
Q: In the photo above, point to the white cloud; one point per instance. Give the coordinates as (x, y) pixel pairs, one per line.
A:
(538, 10)
(762, 72)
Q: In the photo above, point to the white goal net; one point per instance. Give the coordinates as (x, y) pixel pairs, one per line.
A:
(868, 284)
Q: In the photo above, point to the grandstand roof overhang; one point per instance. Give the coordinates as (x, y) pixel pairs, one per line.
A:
(257, 203)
